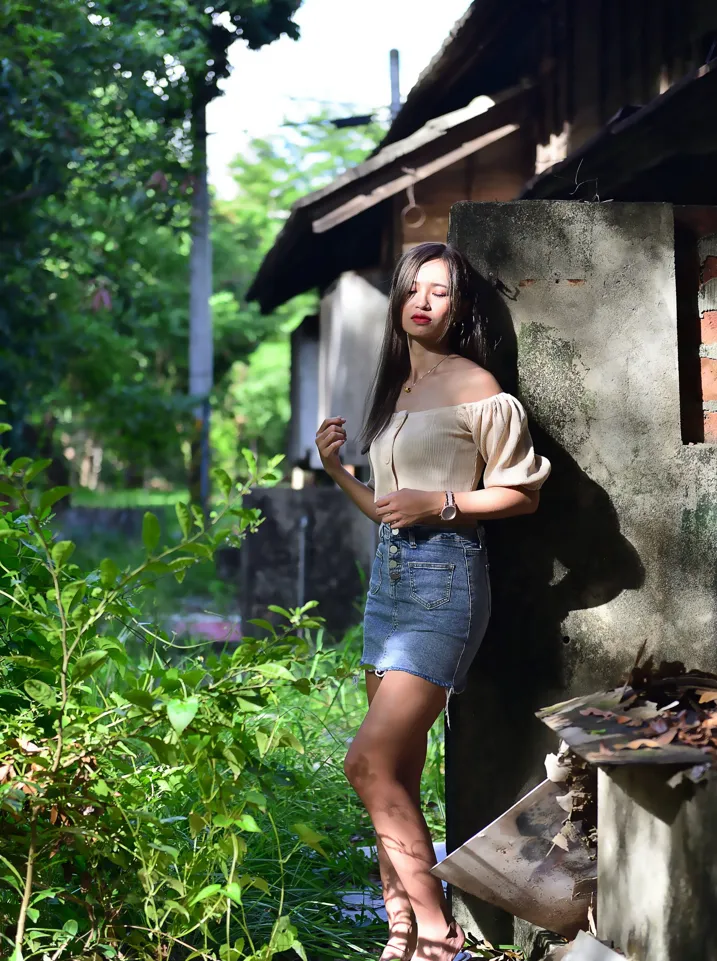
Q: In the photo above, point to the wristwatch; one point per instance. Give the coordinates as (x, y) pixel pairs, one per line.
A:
(449, 510)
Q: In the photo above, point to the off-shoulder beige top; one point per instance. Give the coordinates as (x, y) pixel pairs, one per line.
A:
(450, 448)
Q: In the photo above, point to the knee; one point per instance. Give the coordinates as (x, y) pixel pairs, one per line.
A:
(359, 768)
(354, 762)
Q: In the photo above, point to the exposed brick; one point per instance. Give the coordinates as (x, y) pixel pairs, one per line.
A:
(711, 427)
(709, 378)
(708, 325)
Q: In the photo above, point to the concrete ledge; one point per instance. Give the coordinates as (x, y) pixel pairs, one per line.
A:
(657, 865)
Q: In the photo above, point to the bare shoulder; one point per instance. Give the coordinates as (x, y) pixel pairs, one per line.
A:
(470, 382)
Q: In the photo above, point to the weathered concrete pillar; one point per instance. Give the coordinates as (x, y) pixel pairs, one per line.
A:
(582, 300)
(657, 865)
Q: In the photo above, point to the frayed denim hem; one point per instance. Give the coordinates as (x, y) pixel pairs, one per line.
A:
(449, 688)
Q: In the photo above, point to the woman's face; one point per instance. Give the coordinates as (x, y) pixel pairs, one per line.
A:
(426, 310)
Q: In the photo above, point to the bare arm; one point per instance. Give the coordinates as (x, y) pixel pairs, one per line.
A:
(405, 507)
(330, 437)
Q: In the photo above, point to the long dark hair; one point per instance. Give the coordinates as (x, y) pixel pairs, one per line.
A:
(465, 335)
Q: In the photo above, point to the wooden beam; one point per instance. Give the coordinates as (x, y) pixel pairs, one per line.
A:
(409, 176)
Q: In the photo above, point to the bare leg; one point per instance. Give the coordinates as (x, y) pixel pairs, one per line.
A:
(402, 930)
(394, 731)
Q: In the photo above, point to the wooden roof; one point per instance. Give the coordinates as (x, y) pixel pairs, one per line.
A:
(338, 227)
(656, 152)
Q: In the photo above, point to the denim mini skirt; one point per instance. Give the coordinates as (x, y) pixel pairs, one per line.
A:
(428, 603)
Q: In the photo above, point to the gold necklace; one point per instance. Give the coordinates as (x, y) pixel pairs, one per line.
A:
(410, 388)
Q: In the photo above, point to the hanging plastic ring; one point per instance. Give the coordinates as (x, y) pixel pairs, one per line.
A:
(420, 218)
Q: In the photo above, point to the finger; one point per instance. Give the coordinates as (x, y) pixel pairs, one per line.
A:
(328, 422)
(331, 432)
(329, 438)
(334, 447)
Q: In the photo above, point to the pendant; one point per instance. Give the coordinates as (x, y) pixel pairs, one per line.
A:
(407, 389)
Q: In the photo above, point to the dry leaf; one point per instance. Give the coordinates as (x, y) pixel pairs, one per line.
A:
(591, 921)
(560, 841)
(639, 742)
(707, 697)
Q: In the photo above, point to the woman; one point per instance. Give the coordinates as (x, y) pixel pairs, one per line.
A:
(437, 423)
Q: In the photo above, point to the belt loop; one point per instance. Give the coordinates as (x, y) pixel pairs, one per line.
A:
(411, 537)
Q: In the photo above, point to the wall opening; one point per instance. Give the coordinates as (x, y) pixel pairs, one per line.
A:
(696, 286)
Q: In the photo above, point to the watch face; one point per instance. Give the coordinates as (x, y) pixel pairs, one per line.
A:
(449, 512)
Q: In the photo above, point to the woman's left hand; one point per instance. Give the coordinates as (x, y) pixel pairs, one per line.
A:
(406, 507)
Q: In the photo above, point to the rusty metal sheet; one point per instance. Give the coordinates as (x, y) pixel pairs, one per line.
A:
(513, 864)
(602, 740)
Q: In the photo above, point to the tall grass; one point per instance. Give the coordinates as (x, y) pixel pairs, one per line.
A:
(324, 723)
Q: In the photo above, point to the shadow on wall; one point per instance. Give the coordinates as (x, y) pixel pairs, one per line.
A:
(568, 556)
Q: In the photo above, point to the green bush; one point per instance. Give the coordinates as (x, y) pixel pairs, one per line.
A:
(154, 805)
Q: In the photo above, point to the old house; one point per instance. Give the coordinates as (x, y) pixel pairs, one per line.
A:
(584, 192)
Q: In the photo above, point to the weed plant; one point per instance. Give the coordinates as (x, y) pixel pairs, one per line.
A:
(161, 802)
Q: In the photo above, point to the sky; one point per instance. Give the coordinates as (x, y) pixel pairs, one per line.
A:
(341, 61)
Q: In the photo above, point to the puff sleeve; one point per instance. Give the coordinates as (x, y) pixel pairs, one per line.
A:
(500, 431)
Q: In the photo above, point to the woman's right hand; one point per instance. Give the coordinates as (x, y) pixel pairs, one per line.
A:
(330, 437)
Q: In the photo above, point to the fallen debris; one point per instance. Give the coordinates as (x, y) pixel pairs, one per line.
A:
(516, 863)
(587, 948)
(662, 715)
(579, 801)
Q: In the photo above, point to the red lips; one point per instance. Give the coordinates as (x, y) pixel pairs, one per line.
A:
(420, 318)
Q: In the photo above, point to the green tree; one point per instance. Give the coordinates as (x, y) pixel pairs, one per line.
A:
(95, 150)
(252, 398)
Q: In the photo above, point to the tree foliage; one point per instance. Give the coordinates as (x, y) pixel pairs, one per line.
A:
(95, 154)
(253, 395)
(95, 241)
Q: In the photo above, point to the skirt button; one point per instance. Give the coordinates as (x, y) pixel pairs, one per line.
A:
(394, 548)
(393, 563)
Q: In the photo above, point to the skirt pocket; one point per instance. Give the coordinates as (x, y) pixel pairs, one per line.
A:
(431, 583)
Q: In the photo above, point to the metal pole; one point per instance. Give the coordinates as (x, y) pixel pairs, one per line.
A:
(201, 352)
(301, 573)
(395, 88)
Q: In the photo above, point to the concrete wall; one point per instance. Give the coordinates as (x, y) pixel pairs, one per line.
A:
(622, 548)
(338, 537)
(353, 316)
(301, 447)
(657, 870)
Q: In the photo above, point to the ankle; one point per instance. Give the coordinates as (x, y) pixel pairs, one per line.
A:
(440, 929)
